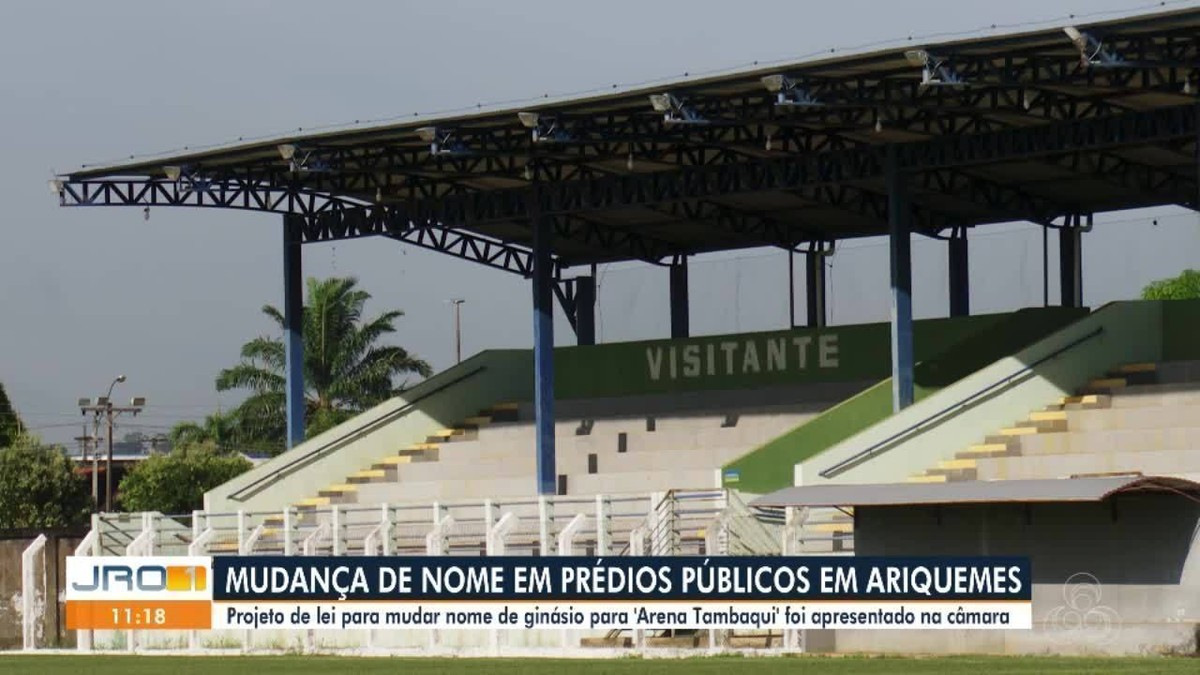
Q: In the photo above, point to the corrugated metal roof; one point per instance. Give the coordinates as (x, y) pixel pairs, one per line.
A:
(727, 166)
(974, 492)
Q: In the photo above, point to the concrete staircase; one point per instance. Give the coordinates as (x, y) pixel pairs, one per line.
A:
(490, 455)
(1138, 418)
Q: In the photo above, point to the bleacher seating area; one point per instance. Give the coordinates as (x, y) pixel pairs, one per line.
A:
(604, 446)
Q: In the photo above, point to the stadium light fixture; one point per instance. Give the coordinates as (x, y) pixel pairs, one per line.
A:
(172, 172)
(788, 94)
(300, 159)
(675, 111)
(543, 128)
(1092, 52)
(441, 141)
(935, 71)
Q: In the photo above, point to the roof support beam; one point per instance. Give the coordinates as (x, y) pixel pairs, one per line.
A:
(836, 167)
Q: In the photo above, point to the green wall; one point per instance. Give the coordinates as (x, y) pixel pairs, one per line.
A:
(750, 360)
(1181, 330)
(770, 466)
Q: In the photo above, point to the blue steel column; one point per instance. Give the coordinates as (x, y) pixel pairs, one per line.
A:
(543, 346)
(293, 335)
(900, 246)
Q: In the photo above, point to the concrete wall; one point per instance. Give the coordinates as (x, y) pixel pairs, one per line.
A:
(1130, 332)
(438, 402)
(769, 467)
(1140, 552)
(51, 631)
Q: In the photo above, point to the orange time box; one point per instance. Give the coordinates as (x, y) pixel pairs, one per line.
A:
(139, 614)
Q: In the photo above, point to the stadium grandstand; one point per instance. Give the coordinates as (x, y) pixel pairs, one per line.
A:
(775, 443)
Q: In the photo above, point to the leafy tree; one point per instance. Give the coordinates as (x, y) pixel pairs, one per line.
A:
(10, 424)
(1186, 286)
(216, 428)
(175, 483)
(346, 370)
(39, 487)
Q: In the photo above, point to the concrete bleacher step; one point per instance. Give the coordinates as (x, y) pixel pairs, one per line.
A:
(1132, 368)
(1104, 385)
(367, 476)
(312, 503)
(1084, 402)
(453, 434)
(503, 412)
(338, 490)
(1153, 462)
(984, 450)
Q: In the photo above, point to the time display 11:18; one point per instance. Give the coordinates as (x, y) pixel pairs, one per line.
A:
(146, 616)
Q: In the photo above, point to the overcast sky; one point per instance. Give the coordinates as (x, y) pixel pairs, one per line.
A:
(86, 294)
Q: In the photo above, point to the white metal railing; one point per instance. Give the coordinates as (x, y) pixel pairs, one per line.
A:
(678, 522)
(29, 591)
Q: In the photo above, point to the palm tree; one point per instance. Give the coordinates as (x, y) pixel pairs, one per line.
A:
(346, 371)
(217, 428)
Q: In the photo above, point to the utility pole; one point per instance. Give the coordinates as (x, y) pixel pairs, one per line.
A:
(457, 302)
(89, 450)
(104, 407)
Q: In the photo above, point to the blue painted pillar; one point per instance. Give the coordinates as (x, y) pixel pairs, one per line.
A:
(543, 345)
(679, 299)
(900, 245)
(293, 331)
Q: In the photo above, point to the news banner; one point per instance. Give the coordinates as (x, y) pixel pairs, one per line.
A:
(446, 593)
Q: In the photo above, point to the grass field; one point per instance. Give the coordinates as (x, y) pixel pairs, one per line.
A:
(297, 665)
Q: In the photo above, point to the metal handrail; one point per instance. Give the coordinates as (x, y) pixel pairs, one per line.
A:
(955, 407)
(358, 431)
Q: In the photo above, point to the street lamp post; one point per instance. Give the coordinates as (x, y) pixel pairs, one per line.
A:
(104, 406)
(457, 302)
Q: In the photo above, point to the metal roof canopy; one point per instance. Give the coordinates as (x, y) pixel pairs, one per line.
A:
(1036, 126)
(1095, 489)
(1036, 132)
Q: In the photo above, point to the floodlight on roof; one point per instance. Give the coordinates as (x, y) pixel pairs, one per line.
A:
(917, 57)
(674, 110)
(774, 83)
(788, 94)
(441, 141)
(661, 102)
(172, 172)
(85, 402)
(138, 401)
(1092, 52)
(543, 128)
(935, 71)
(301, 159)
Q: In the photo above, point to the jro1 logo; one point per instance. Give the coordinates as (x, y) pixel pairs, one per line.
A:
(145, 578)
